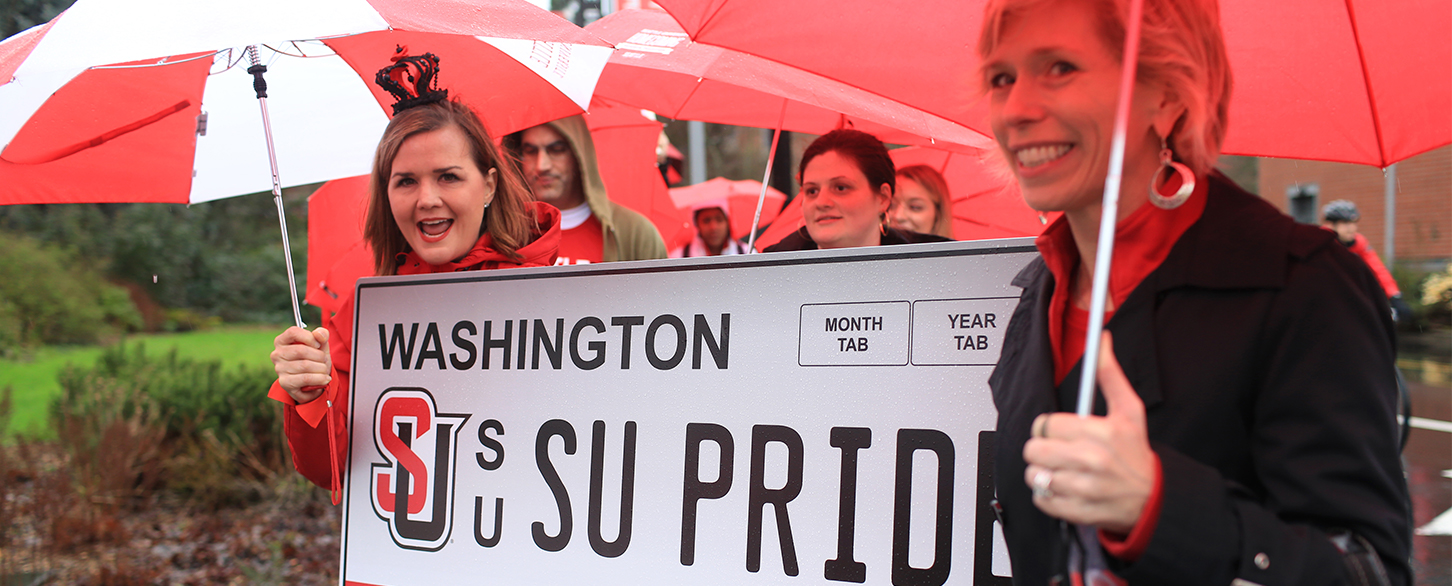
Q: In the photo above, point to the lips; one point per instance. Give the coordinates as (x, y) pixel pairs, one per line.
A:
(1035, 156)
(435, 229)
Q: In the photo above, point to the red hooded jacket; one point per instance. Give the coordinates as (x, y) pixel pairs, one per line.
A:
(309, 441)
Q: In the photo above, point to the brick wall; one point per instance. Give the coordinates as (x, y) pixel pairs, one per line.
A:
(1423, 203)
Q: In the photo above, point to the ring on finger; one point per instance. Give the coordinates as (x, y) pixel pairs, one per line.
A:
(1041, 481)
(1041, 426)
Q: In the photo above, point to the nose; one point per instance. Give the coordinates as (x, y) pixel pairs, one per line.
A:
(542, 161)
(428, 195)
(1022, 105)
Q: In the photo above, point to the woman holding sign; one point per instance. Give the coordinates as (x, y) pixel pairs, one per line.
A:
(1247, 432)
(848, 181)
(441, 200)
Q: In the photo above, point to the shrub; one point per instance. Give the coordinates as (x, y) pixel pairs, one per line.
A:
(191, 426)
(49, 297)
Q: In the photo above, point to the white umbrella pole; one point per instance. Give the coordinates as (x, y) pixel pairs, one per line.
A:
(257, 69)
(1108, 218)
(765, 180)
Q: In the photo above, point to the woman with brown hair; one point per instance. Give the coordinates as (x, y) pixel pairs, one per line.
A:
(848, 181)
(440, 200)
(1247, 431)
(922, 203)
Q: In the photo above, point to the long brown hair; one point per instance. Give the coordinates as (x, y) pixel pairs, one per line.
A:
(509, 220)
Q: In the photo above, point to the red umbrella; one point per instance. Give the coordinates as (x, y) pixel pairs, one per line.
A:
(1356, 81)
(740, 198)
(337, 255)
(625, 147)
(655, 66)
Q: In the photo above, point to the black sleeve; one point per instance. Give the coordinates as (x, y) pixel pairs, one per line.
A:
(1323, 441)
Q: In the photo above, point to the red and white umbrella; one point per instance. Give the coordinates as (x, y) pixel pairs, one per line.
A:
(150, 100)
(154, 101)
(1356, 81)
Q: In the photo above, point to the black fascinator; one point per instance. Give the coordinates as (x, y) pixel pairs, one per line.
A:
(411, 80)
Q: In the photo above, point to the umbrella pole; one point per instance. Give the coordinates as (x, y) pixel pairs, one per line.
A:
(1108, 218)
(258, 84)
(765, 180)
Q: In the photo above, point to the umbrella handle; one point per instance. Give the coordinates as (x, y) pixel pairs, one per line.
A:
(761, 199)
(260, 86)
(1103, 256)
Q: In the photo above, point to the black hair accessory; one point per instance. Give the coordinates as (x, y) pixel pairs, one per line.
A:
(411, 80)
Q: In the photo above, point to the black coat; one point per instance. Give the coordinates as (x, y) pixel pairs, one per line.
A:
(1264, 356)
(801, 240)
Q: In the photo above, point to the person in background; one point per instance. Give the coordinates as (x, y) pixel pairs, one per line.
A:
(441, 199)
(1247, 431)
(848, 181)
(922, 202)
(1341, 217)
(558, 162)
(713, 233)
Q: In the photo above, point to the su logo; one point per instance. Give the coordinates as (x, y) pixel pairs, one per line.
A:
(413, 489)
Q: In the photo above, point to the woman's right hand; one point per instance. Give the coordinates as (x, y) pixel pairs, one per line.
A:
(303, 362)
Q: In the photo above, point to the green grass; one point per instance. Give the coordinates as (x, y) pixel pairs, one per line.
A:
(34, 378)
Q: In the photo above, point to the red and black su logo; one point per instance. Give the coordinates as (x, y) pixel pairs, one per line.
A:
(413, 489)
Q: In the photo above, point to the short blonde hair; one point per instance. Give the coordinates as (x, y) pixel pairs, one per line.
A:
(1181, 47)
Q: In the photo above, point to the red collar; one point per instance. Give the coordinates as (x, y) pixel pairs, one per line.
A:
(539, 252)
(1142, 241)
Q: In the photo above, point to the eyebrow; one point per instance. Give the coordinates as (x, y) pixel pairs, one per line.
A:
(545, 146)
(438, 170)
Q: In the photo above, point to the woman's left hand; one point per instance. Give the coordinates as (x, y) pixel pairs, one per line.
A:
(1094, 470)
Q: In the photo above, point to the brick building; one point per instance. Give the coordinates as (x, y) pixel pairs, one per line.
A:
(1423, 201)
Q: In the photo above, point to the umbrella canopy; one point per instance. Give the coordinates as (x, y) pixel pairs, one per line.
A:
(739, 197)
(657, 67)
(150, 100)
(1356, 81)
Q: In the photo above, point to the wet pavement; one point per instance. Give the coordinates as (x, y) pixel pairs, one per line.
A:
(1427, 366)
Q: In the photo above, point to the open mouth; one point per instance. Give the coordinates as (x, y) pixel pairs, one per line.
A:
(435, 230)
(1035, 156)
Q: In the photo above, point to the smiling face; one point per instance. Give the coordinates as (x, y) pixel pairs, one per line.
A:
(438, 194)
(1053, 86)
(839, 206)
(912, 208)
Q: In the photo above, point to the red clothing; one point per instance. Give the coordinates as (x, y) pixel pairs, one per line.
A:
(307, 439)
(1361, 248)
(1141, 242)
(582, 244)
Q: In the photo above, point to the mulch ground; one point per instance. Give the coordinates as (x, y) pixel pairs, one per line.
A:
(290, 537)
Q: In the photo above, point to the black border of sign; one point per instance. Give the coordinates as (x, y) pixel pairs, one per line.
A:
(867, 254)
(914, 328)
(905, 362)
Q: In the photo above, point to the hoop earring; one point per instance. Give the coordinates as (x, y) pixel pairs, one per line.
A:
(1187, 181)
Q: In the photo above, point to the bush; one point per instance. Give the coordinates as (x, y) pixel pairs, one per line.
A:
(212, 432)
(49, 297)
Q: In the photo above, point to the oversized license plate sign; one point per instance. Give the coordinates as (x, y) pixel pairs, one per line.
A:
(809, 418)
